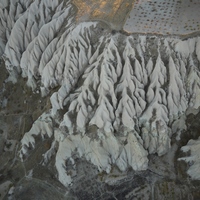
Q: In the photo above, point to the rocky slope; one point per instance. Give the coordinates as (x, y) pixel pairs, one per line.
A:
(117, 102)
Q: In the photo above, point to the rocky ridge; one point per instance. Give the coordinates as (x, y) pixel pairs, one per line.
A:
(116, 99)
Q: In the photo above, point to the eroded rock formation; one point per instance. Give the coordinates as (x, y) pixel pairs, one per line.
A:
(115, 99)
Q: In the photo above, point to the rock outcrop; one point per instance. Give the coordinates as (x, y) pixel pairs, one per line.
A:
(115, 98)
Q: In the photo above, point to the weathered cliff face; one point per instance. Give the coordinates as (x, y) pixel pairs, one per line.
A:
(104, 105)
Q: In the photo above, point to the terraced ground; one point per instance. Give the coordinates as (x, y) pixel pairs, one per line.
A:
(164, 17)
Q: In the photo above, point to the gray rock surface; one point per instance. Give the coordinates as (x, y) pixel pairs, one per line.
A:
(165, 178)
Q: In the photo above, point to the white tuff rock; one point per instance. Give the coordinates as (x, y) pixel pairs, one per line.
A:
(121, 93)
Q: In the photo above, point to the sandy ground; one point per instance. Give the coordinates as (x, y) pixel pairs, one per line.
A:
(143, 16)
(113, 12)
